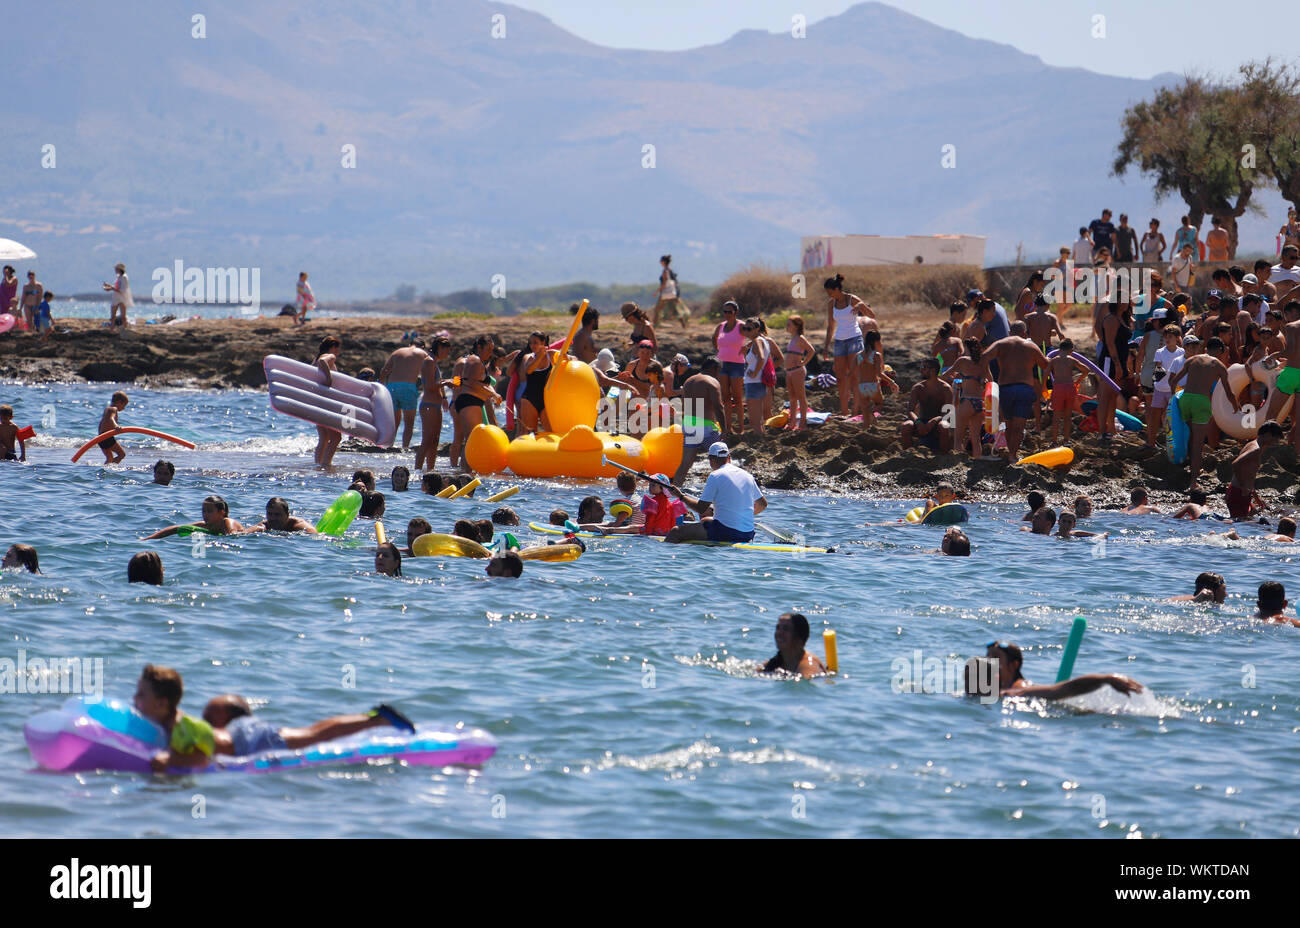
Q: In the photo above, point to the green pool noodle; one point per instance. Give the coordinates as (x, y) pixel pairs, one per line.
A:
(1071, 649)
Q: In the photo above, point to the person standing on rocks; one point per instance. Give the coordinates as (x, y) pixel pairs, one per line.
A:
(1017, 387)
(33, 290)
(704, 414)
(9, 291)
(306, 299)
(842, 326)
(121, 299)
(400, 374)
(1202, 373)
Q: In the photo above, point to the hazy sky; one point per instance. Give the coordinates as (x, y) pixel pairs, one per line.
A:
(1142, 38)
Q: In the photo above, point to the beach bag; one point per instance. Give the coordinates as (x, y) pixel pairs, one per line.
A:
(769, 373)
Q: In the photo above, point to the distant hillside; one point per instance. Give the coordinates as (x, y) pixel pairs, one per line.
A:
(523, 155)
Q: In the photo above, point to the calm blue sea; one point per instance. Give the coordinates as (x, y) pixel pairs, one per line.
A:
(621, 686)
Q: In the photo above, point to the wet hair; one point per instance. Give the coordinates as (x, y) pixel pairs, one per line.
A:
(417, 527)
(585, 505)
(372, 505)
(1272, 596)
(1036, 499)
(1286, 526)
(165, 683)
(796, 321)
(6, 411)
(514, 564)
(941, 487)
(395, 552)
(365, 476)
(462, 481)
(1049, 512)
(27, 556)
(485, 530)
(559, 517)
(1138, 495)
(958, 544)
(466, 529)
(219, 503)
(800, 625)
(432, 483)
(505, 516)
(1015, 655)
(327, 344)
(402, 469)
(168, 465)
(145, 567)
(834, 283)
(1197, 496)
(278, 501)
(1208, 580)
(118, 397)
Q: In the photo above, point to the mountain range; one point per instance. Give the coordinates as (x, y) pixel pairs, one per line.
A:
(524, 154)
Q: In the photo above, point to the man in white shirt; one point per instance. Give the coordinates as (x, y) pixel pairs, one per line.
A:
(1286, 276)
(1083, 249)
(735, 497)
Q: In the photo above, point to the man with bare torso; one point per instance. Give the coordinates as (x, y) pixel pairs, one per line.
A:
(1288, 379)
(927, 422)
(704, 416)
(1017, 384)
(1201, 372)
(399, 374)
(1243, 498)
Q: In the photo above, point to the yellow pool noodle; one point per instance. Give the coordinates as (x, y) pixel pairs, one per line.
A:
(380, 537)
(445, 492)
(504, 494)
(832, 651)
(467, 489)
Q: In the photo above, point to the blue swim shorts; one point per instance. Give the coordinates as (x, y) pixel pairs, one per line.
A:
(249, 735)
(1016, 401)
(405, 395)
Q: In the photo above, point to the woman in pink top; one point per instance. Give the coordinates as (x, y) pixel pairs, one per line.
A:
(729, 343)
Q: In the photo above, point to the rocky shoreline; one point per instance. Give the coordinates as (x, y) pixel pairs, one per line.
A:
(838, 456)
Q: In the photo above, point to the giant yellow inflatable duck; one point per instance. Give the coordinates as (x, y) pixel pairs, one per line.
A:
(574, 448)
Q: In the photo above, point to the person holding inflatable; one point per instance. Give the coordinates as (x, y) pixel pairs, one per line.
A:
(216, 521)
(1201, 373)
(792, 657)
(190, 741)
(734, 496)
(327, 361)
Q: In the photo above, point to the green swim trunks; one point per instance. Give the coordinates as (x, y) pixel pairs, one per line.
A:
(1288, 381)
(1195, 408)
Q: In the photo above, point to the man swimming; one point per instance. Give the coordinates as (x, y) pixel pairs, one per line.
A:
(955, 543)
(278, 519)
(1271, 604)
(1012, 682)
(216, 521)
(1065, 527)
(237, 732)
(1043, 522)
(792, 657)
(509, 564)
(1139, 503)
(163, 473)
(1209, 588)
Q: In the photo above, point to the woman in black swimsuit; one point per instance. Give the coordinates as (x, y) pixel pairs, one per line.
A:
(537, 371)
(470, 382)
(1116, 330)
(642, 330)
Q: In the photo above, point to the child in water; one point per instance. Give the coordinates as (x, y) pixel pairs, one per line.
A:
(113, 452)
(9, 436)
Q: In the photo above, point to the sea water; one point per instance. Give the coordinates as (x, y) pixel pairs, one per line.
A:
(621, 687)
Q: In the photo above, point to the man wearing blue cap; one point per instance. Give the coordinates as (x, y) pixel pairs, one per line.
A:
(734, 496)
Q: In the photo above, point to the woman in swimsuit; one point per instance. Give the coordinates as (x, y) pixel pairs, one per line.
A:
(947, 346)
(842, 325)
(635, 374)
(472, 393)
(537, 370)
(729, 344)
(798, 352)
(642, 330)
(870, 369)
(432, 403)
(327, 358)
(775, 356)
(967, 374)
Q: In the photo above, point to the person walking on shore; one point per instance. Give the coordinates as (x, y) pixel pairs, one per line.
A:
(121, 299)
(306, 299)
(668, 295)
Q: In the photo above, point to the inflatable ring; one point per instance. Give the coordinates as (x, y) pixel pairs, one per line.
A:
(1236, 423)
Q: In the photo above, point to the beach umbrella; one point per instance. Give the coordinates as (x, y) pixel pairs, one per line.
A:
(14, 251)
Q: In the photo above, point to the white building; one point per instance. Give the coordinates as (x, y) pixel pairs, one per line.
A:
(823, 250)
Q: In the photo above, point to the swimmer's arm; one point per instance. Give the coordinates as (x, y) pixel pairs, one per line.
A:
(1080, 686)
(171, 530)
(302, 525)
